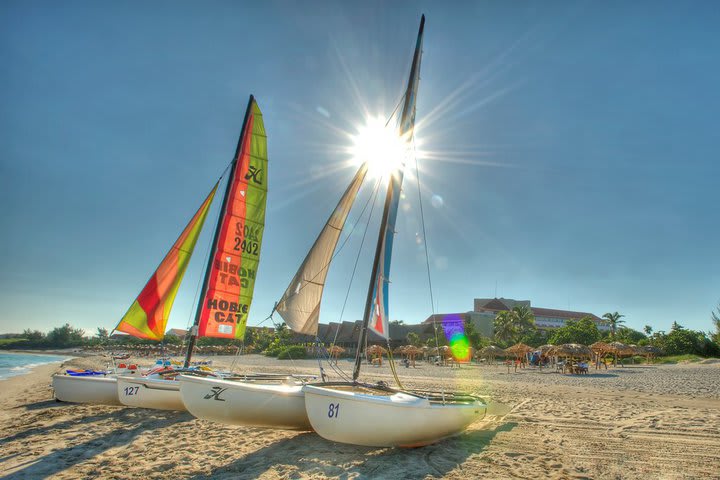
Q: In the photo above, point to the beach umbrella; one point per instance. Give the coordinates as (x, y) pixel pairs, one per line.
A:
(544, 349)
(411, 350)
(400, 350)
(571, 350)
(376, 350)
(519, 349)
(650, 351)
(491, 351)
(600, 347)
(620, 348)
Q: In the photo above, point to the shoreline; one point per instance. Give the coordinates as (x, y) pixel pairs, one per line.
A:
(69, 352)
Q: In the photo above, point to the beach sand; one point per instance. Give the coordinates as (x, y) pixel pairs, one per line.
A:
(650, 422)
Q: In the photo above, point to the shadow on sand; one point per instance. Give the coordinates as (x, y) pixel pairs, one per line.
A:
(308, 454)
(129, 424)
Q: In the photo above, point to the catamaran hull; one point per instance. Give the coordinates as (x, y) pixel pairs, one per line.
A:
(254, 404)
(144, 392)
(98, 390)
(397, 420)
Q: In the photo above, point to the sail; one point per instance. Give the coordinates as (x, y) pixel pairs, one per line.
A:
(149, 313)
(379, 316)
(230, 279)
(300, 304)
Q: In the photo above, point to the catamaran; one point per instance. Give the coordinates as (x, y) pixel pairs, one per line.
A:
(230, 272)
(375, 414)
(227, 290)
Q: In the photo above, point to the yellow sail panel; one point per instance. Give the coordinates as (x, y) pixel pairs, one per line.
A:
(148, 315)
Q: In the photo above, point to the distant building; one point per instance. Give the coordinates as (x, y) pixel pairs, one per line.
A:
(486, 309)
(176, 332)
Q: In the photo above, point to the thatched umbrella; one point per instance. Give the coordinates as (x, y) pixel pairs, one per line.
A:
(335, 351)
(572, 350)
(411, 352)
(544, 349)
(490, 353)
(519, 349)
(621, 350)
(650, 351)
(376, 352)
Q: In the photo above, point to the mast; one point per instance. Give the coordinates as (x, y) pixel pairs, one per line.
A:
(373, 276)
(218, 227)
(407, 123)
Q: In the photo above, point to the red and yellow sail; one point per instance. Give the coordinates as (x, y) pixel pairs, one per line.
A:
(149, 313)
(230, 280)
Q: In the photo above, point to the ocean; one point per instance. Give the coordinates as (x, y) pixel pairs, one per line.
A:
(12, 364)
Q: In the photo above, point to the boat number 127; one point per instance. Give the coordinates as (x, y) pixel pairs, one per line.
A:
(131, 390)
(333, 410)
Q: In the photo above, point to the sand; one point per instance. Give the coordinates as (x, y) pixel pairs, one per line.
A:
(650, 422)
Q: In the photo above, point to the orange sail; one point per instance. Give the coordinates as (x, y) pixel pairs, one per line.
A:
(149, 313)
(230, 278)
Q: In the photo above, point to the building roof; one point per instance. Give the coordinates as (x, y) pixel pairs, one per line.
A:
(549, 312)
(178, 332)
(439, 317)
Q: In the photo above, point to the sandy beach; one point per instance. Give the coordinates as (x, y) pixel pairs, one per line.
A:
(633, 422)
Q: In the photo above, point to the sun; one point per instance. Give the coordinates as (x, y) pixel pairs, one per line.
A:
(380, 146)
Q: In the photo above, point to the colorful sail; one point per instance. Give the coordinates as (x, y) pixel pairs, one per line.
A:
(300, 304)
(149, 313)
(230, 279)
(379, 316)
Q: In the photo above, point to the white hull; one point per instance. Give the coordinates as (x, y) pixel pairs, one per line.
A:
(149, 392)
(396, 420)
(91, 389)
(272, 405)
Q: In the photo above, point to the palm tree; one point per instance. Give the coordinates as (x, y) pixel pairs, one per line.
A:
(613, 319)
(523, 318)
(716, 320)
(504, 326)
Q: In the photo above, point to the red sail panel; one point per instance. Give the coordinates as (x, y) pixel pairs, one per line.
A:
(147, 317)
(236, 253)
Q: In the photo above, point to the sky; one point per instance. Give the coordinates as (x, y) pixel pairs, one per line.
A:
(567, 151)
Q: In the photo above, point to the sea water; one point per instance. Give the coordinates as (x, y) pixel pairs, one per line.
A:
(12, 364)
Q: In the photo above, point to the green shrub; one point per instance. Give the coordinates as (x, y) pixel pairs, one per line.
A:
(293, 352)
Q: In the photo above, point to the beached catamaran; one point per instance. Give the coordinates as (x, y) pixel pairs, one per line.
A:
(230, 273)
(376, 415)
(227, 289)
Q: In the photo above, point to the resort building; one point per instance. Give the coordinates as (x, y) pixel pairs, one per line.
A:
(486, 309)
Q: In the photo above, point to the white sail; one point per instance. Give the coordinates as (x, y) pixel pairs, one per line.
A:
(300, 304)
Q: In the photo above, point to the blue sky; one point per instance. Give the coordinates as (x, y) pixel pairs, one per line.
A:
(570, 149)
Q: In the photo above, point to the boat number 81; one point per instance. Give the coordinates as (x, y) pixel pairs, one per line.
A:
(333, 410)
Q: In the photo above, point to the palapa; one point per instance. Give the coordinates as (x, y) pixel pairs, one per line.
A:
(519, 349)
(571, 350)
(490, 351)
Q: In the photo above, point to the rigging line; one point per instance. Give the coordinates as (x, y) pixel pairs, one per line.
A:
(373, 196)
(391, 361)
(357, 258)
(402, 98)
(425, 243)
(206, 255)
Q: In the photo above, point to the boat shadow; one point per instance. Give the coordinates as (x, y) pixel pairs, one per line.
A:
(308, 454)
(127, 423)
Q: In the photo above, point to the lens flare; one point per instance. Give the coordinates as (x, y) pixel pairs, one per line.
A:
(454, 330)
